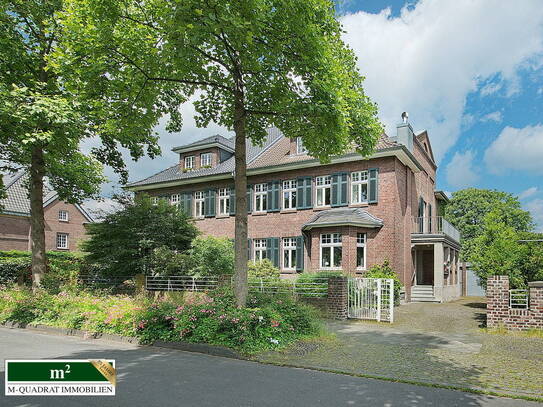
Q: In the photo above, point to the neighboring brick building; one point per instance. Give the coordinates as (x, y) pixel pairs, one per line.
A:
(64, 222)
(347, 215)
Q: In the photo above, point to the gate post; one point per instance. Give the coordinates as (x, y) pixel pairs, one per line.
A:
(337, 301)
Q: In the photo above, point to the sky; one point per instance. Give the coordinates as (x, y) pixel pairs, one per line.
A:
(470, 72)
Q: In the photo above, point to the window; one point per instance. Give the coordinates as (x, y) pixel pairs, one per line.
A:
(289, 253)
(300, 149)
(189, 162)
(154, 200)
(361, 251)
(289, 194)
(62, 240)
(261, 197)
(199, 204)
(331, 251)
(205, 160)
(260, 249)
(323, 190)
(63, 216)
(224, 201)
(359, 187)
(174, 199)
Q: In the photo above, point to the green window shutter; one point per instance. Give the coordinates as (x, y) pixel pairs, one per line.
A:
(273, 196)
(249, 249)
(430, 218)
(249, 198)
(272, 250)
(373, 195)
(339, 189)
(304, 193)
(209, 203)
(299, 253)
(185, 201)
(232, 201)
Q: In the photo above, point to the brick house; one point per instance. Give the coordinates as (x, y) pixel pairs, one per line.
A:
(64, 222)
(306, 216)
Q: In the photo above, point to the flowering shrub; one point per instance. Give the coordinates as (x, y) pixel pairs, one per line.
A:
(267, 322)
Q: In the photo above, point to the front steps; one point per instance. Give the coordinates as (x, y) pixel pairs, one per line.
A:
(422, 293)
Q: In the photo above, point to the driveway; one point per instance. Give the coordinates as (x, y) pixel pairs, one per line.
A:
(153, 377)
(430, 343)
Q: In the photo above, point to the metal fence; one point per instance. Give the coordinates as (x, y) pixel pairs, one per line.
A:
(116, 284)
(518, 299)
(371, 298)
(180, 283)
(316, 288)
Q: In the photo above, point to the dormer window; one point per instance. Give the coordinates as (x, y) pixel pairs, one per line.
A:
(300, 149)
(189, 162)
(205, 160)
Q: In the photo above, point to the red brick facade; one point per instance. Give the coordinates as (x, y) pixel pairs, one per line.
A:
(15, 230)
(499, 312)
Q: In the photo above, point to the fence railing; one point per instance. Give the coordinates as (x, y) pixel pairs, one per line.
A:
(318, 287)
(518, 299)
(434, 225)
(180, 283)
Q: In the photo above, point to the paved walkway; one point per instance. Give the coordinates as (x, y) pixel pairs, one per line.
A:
(430, 343)
(151, 377)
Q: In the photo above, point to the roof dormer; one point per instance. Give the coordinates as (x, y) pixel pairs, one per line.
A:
(205, 153)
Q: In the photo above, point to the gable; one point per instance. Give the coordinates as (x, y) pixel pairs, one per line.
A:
(425, 144)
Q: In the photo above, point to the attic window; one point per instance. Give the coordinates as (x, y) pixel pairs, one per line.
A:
(63, 216)
(205, 160)
(426, 147)
(189, 162)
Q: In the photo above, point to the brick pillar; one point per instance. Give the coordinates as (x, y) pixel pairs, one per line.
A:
(497, 300)
(536, 302)
(337, 301)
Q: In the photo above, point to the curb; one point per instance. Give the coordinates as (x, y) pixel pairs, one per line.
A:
(213, 350)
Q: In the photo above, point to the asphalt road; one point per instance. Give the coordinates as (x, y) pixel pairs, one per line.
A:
(153, 377)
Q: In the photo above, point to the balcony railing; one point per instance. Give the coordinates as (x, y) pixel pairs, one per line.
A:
(434, 225)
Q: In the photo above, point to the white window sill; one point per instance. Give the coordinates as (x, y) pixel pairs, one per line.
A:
(321, 208)
(223, 215)
(359, 204)
(290, 210)
(259, 213)
(62, 248)
(62, 220)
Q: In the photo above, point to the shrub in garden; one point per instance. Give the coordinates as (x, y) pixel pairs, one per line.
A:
(211, 256)
(263, 269)
(167, 262)
(385, 271)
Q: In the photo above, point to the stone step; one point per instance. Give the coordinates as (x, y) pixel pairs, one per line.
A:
(423, 299)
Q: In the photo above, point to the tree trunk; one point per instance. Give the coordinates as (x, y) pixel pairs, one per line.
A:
(240, 180)
(37, 224)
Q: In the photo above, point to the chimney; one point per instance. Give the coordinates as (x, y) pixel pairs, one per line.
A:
(404, 132)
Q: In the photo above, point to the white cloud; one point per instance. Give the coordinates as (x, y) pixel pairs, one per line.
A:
(536, 209)
(528, 193)
(494, 117)
(461, 172)
(428, 59)
(516, 149)
(491, 88)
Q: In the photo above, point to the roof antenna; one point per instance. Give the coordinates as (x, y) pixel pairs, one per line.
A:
(405, 116)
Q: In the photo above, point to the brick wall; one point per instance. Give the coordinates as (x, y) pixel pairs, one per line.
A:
(74, 227)
(14, 232)
(499, 313)
(337, 301)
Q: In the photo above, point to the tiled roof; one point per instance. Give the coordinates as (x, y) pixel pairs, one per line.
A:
(17, 200)
(343, 216)
(176, 173)
(218, 139)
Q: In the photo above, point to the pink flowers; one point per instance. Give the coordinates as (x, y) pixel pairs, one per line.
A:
(274, 323)
(234, 320)
(142, 325)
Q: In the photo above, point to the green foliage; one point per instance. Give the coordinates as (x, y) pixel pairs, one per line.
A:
(263, 269)
(498, 251)
(211, 256)
(124, 242)
(385, 271)
(164, 261)
(468, 208)
(268, 322)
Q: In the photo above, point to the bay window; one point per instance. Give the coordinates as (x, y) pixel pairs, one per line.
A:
(331, 251)
(174, 199)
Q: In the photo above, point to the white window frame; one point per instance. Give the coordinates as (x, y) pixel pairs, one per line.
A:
(289, 253)
(358, 180)
(224, 201)
(289, 194)
(189, 162)
(361, 240)
(323, 183)
(300, 148)
(260, 247)
(63, 215)
(199, 204)
(208, 157)
(261, 197)
(62, 241)
(174, 199)
(330, 241)
(154, 200)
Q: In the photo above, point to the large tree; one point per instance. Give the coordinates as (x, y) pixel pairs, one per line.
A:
(468, 207)
(253, 63)
(42, 122)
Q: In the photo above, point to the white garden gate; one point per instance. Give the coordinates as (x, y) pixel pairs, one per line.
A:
(371, 298)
